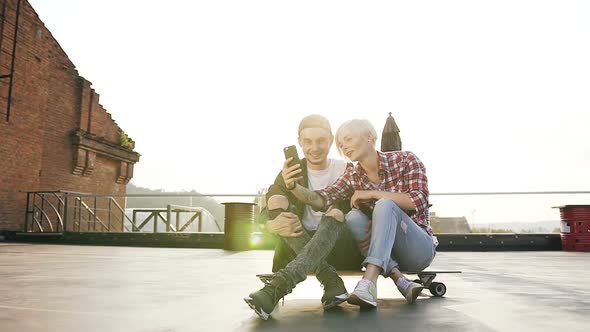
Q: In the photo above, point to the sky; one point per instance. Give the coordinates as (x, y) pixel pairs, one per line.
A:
(490, 95)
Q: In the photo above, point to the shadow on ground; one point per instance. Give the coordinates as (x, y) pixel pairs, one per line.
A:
(428, 314)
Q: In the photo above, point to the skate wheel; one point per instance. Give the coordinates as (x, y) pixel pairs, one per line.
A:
(437, 289)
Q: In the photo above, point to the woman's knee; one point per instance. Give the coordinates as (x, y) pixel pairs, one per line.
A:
(357, 222)
(386, 206)
(355, 216)
(356, 219)
(385, 203)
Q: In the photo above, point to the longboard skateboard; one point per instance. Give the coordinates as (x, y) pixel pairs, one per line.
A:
(425, 278)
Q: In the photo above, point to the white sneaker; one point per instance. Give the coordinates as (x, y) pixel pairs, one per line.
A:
(365, 294)
(410, 290)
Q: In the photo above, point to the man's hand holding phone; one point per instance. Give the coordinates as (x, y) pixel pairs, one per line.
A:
(291, 167)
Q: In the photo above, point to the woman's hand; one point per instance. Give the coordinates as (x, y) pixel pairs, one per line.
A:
(360, 196)
(291, 174)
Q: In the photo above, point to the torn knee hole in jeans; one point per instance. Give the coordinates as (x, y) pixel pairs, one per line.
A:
(278, 202)
(336, 214)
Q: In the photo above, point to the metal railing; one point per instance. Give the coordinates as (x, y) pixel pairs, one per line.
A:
(59, 211)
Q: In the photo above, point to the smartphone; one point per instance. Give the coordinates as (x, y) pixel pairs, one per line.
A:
(291, 151)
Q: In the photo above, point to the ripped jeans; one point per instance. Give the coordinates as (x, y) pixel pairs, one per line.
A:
(396, 240)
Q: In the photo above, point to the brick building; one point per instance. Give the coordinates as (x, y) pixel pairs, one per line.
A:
(54, 134)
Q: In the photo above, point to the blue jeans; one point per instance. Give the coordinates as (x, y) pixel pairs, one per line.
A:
(396, 240)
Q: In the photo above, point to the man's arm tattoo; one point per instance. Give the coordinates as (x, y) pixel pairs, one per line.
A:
(308, 197)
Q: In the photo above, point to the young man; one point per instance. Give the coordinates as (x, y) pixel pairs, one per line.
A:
(296, 224)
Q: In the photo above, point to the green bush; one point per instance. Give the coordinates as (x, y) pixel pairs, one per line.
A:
(124, 140)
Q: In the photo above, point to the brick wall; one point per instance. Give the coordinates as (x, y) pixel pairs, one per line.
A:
(58, 136)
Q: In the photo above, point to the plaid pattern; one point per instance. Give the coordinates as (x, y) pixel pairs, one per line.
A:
(400, 171)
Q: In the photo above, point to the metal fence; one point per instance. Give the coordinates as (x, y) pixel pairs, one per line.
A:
(59, 211)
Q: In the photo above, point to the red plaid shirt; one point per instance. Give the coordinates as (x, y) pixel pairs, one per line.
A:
(400, 171)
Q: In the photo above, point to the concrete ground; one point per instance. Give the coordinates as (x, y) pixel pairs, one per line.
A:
(83, 288)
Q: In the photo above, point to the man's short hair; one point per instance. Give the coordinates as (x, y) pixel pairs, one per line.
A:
(314, 121)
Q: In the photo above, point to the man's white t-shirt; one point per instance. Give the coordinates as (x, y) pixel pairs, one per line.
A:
(319, 180)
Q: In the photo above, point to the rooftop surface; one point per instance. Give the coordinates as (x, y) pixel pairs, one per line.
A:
(91, 288)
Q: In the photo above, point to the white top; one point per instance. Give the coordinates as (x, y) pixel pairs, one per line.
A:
(319, 180)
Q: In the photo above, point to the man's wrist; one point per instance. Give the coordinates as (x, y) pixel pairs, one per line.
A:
(291, 188)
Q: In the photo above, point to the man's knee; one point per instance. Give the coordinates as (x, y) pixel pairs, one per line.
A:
(336, 214)
(277, 202)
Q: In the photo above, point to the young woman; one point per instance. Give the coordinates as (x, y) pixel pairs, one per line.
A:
(385, 188)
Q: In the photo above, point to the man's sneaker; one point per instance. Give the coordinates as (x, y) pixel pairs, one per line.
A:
(334, 292)
(410, 290)
(364, 295)
(265, 300)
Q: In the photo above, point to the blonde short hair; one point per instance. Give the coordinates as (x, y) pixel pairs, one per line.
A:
(359, 127)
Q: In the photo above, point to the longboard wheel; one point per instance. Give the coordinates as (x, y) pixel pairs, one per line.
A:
(437, 289)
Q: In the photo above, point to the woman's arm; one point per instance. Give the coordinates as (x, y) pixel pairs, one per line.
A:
(403, 200)
(417, 181)
(319, 199)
